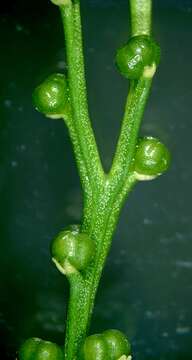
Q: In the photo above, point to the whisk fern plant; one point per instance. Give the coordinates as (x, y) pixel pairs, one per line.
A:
(80, 251)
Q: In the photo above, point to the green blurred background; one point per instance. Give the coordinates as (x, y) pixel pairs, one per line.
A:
(146, 288)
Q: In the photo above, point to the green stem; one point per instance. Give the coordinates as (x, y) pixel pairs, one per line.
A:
(83, 289)
(78, 96)
(140, 17)
(76, 303)
(106, 218)
(85, 181)
(134, 110)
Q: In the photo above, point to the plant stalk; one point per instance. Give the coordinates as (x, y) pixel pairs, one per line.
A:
(104, 193)
(84, 286)
(141, 11)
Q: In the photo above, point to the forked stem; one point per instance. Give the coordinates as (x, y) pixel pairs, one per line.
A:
(106, 193)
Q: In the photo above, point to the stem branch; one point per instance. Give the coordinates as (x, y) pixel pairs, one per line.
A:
(77, 86)
(134, 110)
(83, 290)
(140, 17)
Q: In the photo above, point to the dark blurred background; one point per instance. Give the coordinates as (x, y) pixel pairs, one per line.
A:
(146, 288)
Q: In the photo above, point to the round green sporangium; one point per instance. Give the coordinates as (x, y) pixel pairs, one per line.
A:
(37, 349)
(51, 97)
(94, 348)
(152, 158)
(110, 345)
(117, 344)
(75, 247)
(139, 52)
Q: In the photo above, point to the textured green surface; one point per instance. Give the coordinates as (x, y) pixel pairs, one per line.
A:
(140, 16)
